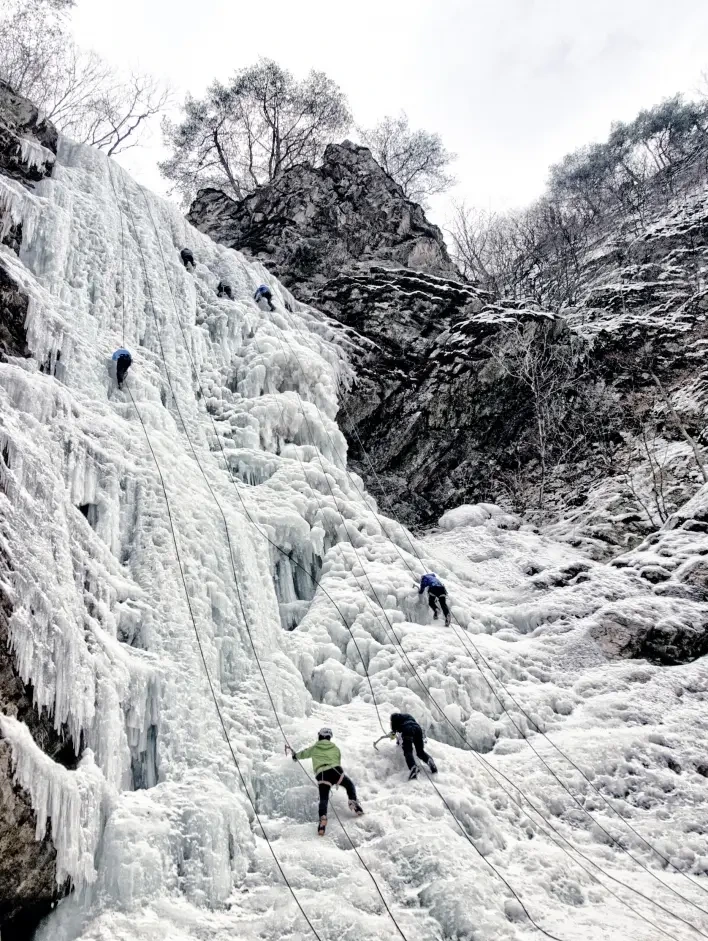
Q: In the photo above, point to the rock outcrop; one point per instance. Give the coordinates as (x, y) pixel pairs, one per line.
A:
(313, 223)
(28, 142)
(345, 239)
(27, 865)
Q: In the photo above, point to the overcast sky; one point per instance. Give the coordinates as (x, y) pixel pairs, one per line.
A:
(511, 85)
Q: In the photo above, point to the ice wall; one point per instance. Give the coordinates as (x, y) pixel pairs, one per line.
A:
(233, 408)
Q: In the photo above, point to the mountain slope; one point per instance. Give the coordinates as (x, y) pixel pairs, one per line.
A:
(221, 463)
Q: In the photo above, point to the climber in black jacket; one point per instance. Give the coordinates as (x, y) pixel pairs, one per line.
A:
(410, 736)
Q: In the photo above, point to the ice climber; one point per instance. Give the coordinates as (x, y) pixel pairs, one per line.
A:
(436, 592)
(265, 293)
(326, 759)
(224, 290)
(409, 735)
(123, 361)
(187, 258)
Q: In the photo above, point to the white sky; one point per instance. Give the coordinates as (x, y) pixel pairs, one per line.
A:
(511, 85)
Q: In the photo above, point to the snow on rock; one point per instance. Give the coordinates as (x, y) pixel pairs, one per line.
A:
(232, 409)
(476, 515)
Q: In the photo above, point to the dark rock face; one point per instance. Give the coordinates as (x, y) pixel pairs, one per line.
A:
(13, 311)
(28, 886)
(344, 239)
(666, 644)
(312, 223)
(22, 134)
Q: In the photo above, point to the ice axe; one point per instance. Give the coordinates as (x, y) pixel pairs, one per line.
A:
(376, 743)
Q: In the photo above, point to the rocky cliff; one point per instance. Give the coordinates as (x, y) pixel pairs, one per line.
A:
(432, 419)
(27, 865)
(346, 240)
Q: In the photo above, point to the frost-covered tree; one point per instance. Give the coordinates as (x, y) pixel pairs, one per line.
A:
(416, 159)
(639, 161)
(249, 131)
(617, 185)
(81, 94)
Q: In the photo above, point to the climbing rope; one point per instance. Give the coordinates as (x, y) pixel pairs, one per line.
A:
(240, 598)
(559, 780)
(363, 664)
(199, 642)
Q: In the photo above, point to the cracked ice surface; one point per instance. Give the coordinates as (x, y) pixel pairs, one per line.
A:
(154, 828)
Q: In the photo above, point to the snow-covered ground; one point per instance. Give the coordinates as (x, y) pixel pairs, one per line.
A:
(155, 827)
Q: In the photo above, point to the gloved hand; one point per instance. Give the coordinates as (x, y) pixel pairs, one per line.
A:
(392, 735)
(294, 756)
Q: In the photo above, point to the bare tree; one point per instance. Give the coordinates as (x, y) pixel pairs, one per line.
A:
(417, 160)
(531, 254)
(562, 407)
(76, 90)
(475, 244)
(653, 473)
(249, 131)
(116, 116)
(680, 424)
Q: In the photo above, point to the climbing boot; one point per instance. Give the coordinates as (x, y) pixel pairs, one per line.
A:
(356, 808)
(414, 773)
(433, 767)
(447, 620)
(322, 827)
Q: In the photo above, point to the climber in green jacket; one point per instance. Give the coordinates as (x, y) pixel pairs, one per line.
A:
(326, 758)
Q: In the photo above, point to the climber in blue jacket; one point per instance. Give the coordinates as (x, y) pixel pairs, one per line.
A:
(123, 360)
(436, 592)
(265, 293)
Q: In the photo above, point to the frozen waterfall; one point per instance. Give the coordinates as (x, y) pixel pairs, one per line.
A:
(233, 408)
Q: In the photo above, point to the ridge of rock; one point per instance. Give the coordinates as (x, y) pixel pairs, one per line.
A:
(312, 222)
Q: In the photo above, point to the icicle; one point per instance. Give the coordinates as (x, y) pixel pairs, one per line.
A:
(72, 800)
(17, 206)
(34, 155)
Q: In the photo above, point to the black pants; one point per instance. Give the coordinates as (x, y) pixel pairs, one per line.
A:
(435, 594)
(325, 780)
(267, 297)
(413, 738)
(122, 367)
